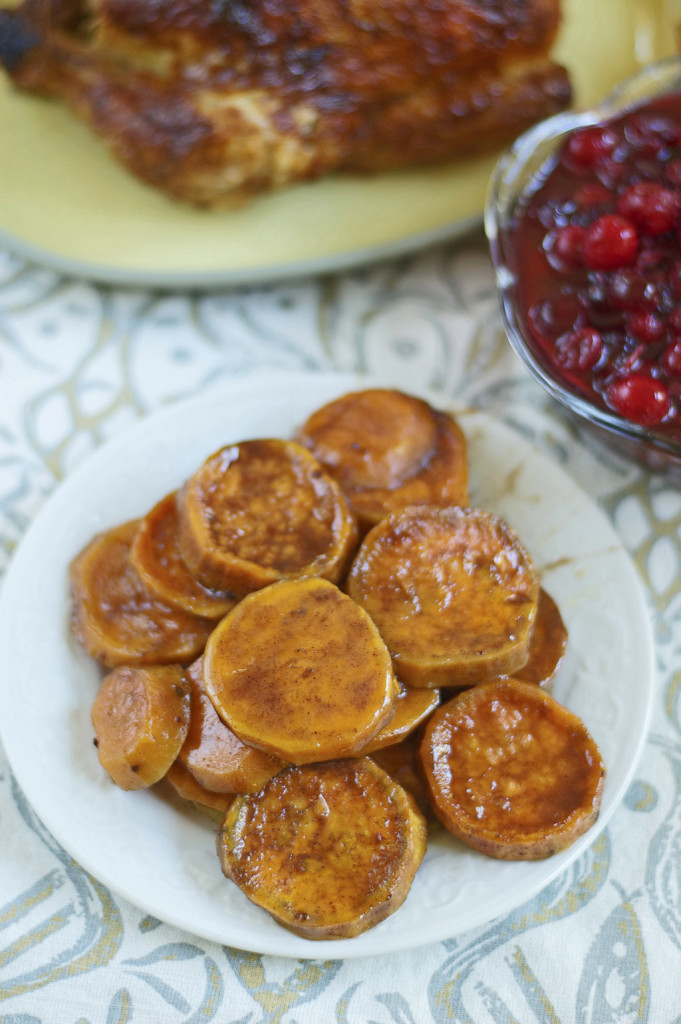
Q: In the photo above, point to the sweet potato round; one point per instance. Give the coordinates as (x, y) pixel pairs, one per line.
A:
(452, 591)
(511, 772)
(300, 671)
(328, 850)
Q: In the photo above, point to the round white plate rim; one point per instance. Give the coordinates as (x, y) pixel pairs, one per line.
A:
(259, 392)
(256, 276)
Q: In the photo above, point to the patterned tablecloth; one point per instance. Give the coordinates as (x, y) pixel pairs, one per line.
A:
(602, 944)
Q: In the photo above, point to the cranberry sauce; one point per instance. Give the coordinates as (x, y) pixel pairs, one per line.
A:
(597, 252)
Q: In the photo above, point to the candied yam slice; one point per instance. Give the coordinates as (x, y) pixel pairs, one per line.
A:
(413, 706)
(299, 670)
(187, 788)
(261, 511)
(401, 761)
(388, 450)
(452, 591)
(511, 772)
(329, 850)
(213, 754)
(116, 618)
(547, 643)
(140, 716)
(156, 556)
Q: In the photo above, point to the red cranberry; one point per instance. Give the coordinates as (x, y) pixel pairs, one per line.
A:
(580, 349)
(588, 146)
(671, 358)
(652, 208)
(554, 316)
(629, 290)
(639, 398)
(611, 241)
(646, 327)
(675, 320)
(566, 245)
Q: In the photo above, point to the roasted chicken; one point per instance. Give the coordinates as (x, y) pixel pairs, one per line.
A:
(217, 101)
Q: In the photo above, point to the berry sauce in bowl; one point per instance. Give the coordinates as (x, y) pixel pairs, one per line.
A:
(583, 218)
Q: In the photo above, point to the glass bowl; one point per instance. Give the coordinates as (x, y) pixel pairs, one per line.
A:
(516, 177)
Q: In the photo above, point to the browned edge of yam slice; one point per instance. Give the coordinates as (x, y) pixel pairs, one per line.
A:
(401, 761)
(511, 772)
(184, 785)
(213, 754)
(117, 619)
(155, 554)
(548, 643)
(140, 715)
(414, 705)
(329, 850)
(261, 511)
(453, 592)
(388, 449)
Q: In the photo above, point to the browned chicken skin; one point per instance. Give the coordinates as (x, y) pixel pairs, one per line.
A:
(214, 102)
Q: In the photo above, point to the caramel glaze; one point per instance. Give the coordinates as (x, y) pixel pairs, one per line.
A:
(512, 772)
(328, 849)
(412, 707)
(388, 450)
(156, 556)
(548, 643)
(452, 591)
(263, 510)
(140, 717)
(299, 670)
(213, 754)
(267, 507)
(401, 761)
(117, 619)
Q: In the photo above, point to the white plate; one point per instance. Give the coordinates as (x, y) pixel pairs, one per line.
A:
(65, 202)
(162, 858)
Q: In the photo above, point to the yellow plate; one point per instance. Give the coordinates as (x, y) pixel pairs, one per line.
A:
(64, 201)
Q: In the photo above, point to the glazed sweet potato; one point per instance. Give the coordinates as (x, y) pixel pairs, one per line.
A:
(300, 671)
(140, 717)
(547, 643)
(262, 511)
(117, 619)
(213, 754)
(155, 554)
(388, 450)
(413, 706)
(187, 788)
(452, 591)
(328, 850)
(401, 761)
(512, 772)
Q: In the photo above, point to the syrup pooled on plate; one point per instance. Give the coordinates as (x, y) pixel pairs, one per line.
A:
(597, 253)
